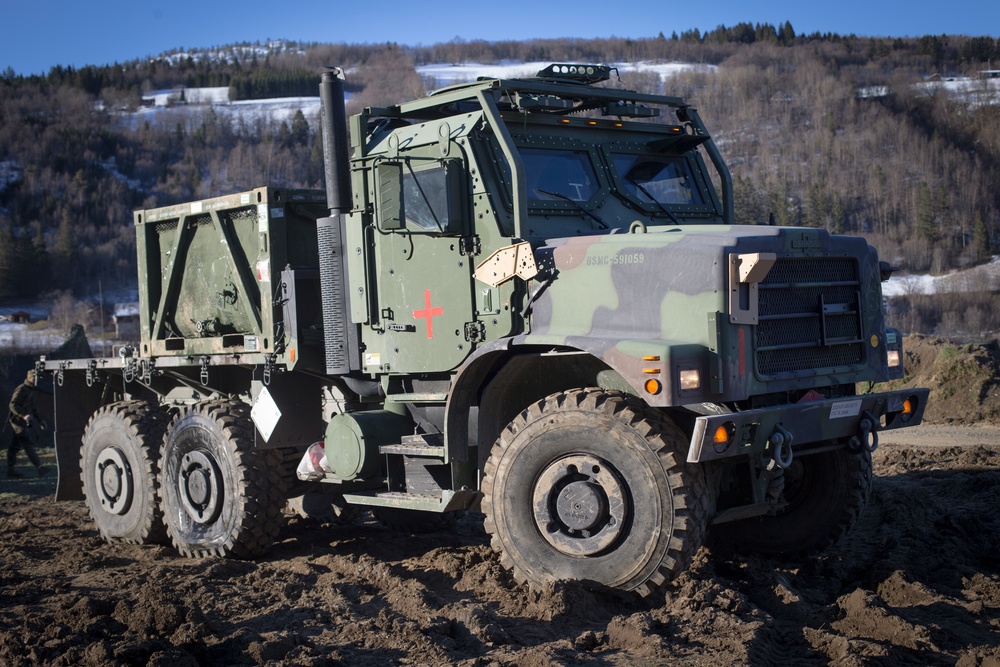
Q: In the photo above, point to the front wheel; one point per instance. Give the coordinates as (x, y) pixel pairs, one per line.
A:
(593, 486)
(824, 495)
(220, 495)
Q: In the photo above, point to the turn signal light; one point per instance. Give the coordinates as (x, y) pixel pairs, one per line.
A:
(909, 408)
(653, 386)
(724, 433)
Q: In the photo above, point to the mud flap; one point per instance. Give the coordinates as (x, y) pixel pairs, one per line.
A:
(75, 402)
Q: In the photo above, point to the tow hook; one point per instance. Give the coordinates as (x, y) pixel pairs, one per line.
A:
(781, 448)
(867, 437)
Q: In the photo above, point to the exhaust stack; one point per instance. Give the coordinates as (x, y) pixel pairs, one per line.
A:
(340, 335)
(335, 152)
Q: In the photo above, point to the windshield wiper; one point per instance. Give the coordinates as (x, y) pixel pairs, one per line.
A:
(659, 204)
(603, 225)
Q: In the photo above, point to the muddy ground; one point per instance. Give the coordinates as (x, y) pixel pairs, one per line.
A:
(917, 582)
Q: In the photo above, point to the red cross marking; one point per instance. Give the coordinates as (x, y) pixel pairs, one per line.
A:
(428, 313)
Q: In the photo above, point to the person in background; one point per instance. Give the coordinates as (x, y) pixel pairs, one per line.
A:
(23, 417)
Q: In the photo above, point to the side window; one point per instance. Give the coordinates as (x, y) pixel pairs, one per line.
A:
(425, 199)
(421, 197)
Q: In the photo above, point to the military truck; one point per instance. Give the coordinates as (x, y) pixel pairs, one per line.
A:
(523, 297)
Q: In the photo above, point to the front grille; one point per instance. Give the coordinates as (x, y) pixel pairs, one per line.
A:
(809, 316)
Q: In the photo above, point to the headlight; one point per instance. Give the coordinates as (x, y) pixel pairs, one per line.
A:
(690, 379)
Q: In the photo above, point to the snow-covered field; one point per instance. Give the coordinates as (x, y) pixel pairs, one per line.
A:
(247, 113)
(18, 338)
(182, 105)
(973, 91)
(441, 75)
(983, 278)
(179, 105)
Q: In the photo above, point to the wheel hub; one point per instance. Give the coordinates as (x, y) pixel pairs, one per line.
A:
(114, 481)
(580, 505)
(200, 487)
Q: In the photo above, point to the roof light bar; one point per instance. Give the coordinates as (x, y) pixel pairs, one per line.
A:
(579, 73)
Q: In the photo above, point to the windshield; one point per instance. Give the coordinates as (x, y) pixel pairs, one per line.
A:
(657, 179)
(559, 174)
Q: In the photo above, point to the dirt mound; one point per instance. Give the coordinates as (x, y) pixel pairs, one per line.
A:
(964, 379)
(918, 582)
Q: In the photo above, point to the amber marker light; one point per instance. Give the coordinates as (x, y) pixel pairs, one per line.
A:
(724, 434)
(653, 386)
(291, 354)
(909, 407)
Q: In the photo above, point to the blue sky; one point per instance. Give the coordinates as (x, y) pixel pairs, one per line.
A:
(35, 35)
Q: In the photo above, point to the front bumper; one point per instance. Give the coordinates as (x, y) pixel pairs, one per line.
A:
(799, 424)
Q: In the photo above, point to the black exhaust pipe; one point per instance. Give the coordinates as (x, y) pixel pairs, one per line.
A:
(339, 333)
(335, 149)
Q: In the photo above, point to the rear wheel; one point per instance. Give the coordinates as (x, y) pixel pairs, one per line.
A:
(119, 464)
(593, 486)
(220, 495)
(825, 494)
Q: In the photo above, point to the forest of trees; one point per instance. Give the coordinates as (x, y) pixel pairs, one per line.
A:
(913, 169)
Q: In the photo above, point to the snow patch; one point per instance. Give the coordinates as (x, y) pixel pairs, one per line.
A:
(977, 91)
(162, 98)
(983, 278)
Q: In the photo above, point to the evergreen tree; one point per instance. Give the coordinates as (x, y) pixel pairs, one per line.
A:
(981, 245)
(926, 227)
(64, 252)
(8, 262)
(300, 129)
(787, 34)
(40, 268)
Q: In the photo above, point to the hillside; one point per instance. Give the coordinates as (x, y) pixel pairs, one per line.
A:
(857, 135)
(964, 379)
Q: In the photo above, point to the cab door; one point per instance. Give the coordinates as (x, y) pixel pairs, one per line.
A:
(425, 314)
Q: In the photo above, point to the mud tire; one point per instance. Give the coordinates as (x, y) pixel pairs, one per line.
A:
(220, 495)
(119, 462)
(629, 452)
(826, 494)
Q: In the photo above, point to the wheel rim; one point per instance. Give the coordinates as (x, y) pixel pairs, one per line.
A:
(580, 505)
(200, 487)
(115, 486)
